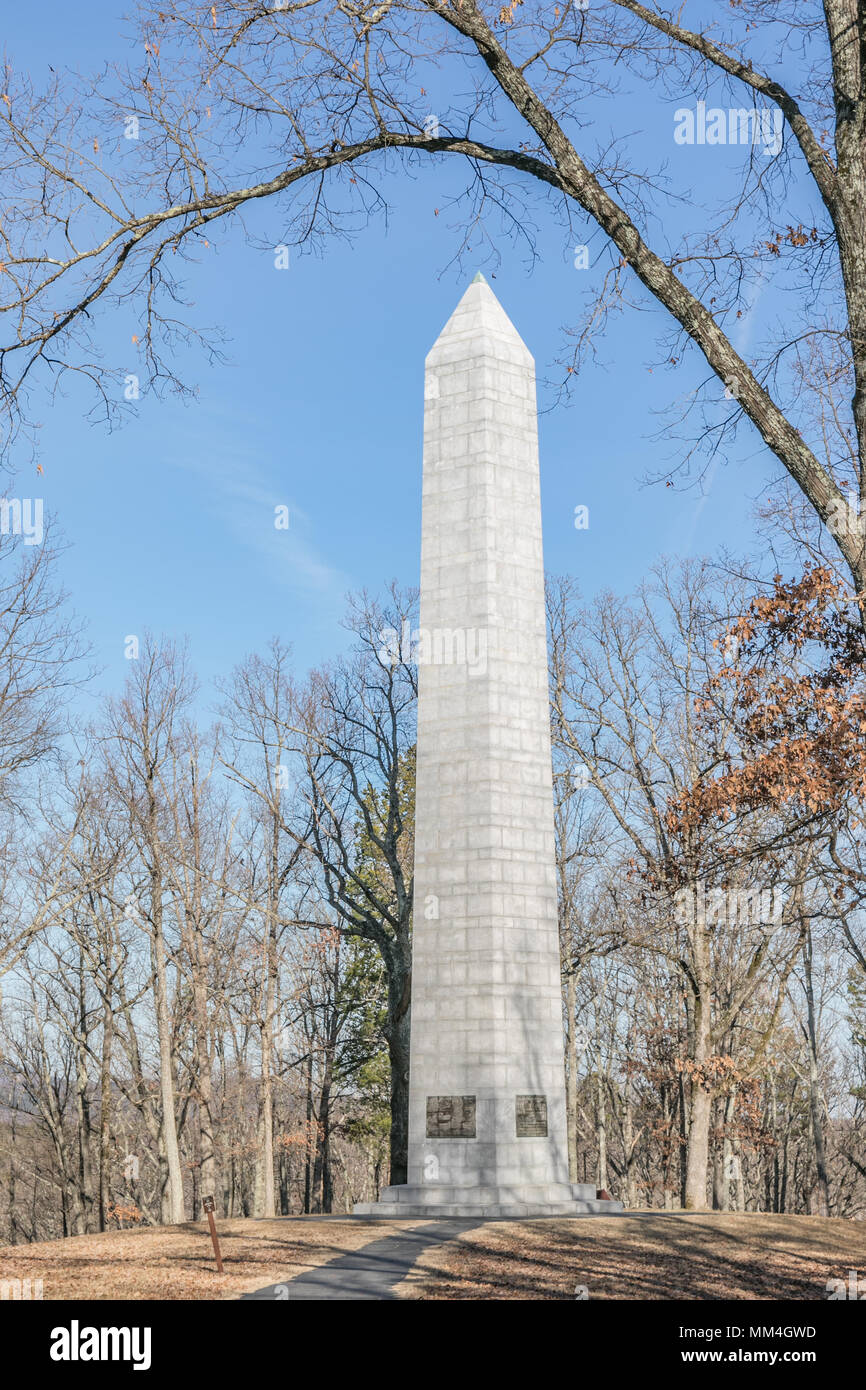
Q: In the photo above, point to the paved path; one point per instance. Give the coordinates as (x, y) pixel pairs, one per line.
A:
(371, 1272)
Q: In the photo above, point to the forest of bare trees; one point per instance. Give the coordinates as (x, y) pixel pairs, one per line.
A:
(206, 926)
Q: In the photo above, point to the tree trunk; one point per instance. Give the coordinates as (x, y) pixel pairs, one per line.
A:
(601, 1129)
(721, 1167)
(174, 1204)
(308, 1161)
(699, 1149)
(774, 1131)
(82, 1105)
(322, 1171)
(105, 1115)
(200, 963)
(285, 1183)
(265, 1196)
(700, 1113)
(204, 1086)
(398, 1029)
(323, 1174)
(815, 1099)
(571, 1076)
(264, 1201)
(628, 1137)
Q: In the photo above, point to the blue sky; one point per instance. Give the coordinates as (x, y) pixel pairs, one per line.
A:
(170, 519)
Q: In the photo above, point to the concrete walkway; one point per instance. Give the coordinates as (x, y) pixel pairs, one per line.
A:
(371, 1272)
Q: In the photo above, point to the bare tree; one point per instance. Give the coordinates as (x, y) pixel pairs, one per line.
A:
(110, 185)
(145, 736)
(351, 733)
(259, 707)
(625, 680)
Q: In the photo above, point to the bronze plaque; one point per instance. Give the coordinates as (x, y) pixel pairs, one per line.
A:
(532, 1117)
(450, 1117)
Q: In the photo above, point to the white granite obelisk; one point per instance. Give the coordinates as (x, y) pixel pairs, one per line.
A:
(487, 1131)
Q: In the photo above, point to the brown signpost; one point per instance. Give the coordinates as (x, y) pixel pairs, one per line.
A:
(208, 1205)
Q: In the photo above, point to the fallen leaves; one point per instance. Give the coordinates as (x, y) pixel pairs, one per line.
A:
(176, 1262)
(651, 1256)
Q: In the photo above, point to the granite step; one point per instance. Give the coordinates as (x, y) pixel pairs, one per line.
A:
(493, 1211)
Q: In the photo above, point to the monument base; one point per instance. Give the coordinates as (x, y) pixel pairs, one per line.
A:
(490, 1203)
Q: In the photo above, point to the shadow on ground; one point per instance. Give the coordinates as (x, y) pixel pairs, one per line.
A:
(373, 1272)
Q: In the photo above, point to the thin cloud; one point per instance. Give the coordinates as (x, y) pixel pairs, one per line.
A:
(289, 555)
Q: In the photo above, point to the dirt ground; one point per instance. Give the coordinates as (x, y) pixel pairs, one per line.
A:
(177, 1262)
(656, 1255)
(651, 1255)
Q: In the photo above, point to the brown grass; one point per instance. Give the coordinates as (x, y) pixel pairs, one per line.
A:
(177, 1262)
(677, 1255)
(653, 1255)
